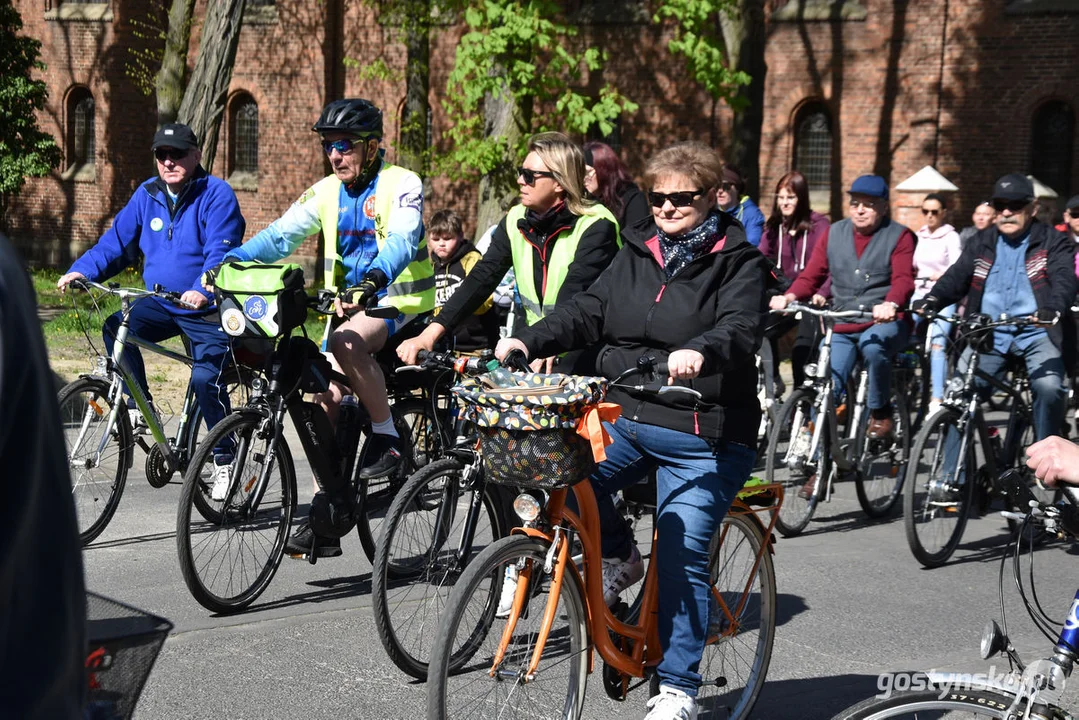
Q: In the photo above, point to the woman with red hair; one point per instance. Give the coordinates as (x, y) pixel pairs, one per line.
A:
(607, 180)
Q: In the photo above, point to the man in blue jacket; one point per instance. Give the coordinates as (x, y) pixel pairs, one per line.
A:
(183, 222)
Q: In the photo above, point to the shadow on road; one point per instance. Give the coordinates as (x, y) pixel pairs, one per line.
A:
(135, 540)
(338, 588)
(812, 698)
(789, 607)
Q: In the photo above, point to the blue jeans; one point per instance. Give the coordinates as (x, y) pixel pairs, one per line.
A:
(878, 345)
(1045, 368)
(209, 349)
(938, 332)
(696, 481)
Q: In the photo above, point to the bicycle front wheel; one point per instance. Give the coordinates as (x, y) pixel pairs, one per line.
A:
(791, 461)
(465, 681)
(434, 528)
(98, 453)
(937, 497)
(915, 704)
(229, 562)
(418, 428)
(742, 625)
(883, 464)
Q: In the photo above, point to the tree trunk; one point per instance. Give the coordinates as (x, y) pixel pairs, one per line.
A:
(503, 119)
(412, 152)
(170, 78)
(204, 99)
(744, 36)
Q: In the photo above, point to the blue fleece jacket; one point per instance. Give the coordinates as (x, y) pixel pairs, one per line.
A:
(180, 240)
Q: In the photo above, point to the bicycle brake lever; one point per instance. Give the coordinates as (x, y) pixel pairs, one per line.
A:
(408, 368)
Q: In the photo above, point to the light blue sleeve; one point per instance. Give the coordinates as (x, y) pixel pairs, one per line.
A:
(753, 220)
(283, 235)
(403, 231)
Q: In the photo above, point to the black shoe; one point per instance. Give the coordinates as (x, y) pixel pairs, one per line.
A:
(382, 456)
(299, 545)
(779, 388)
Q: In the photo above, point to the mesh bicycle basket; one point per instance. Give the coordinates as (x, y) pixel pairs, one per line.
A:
(123, 643)
(528, 435)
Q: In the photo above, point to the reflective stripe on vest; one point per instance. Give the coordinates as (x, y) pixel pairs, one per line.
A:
(413, 291)
(558, 263)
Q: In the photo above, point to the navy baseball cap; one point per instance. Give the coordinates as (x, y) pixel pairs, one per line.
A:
(175, 135)
(1014, 186)
(1073, 203)
(871, 185)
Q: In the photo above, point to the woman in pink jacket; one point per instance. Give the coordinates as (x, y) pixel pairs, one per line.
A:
(938, 247)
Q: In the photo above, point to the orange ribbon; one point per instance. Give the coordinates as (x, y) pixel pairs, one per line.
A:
(590, 427)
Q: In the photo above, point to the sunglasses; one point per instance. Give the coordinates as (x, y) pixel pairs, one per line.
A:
(684, 198)
(1010, 205)
(163, 154)
(343, 147)
(728, 187)
(1074, 212)
(926, 211)
(529, 175)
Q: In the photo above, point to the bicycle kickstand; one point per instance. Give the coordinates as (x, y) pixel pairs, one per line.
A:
(312, 556)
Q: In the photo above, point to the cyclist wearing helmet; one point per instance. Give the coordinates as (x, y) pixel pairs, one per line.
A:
(370, 214)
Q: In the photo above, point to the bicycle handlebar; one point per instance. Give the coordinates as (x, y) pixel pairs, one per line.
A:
(1061, 518)
(462, 365)
(131, 293)
(827, 313)
(323, 304)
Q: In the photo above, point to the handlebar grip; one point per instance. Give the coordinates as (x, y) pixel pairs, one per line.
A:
(661, 368)
(516, 360)
(382, 312)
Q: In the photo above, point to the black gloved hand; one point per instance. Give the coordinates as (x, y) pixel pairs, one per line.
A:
(927, 306)
(209, 278)
(368, 288)
(1045, 316)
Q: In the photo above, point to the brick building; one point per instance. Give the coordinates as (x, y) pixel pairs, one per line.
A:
(974, 88)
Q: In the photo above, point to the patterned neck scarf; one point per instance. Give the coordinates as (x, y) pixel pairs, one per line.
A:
(681, 250)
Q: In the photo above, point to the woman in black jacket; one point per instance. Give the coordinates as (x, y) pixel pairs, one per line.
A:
(691, 293)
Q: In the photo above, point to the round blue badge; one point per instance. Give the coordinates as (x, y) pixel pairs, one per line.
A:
(255, 307)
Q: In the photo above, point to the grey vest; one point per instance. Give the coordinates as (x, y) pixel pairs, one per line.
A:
(861, 282)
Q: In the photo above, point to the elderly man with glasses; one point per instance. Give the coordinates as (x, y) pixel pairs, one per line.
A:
(1018, 267)
(183, 222)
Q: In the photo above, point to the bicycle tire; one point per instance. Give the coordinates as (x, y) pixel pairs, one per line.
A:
(212, 582)
(926, 703)
(238, 383)
(463, 652)
(923, 496)
(734, 552)
(879, 494)
(796, 511)
(416, 563)
(414, 419)
(84, 404)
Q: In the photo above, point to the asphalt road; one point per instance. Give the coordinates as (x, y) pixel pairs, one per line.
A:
(853, 603)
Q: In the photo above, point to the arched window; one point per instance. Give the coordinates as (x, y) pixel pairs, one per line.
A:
(813, 148)
(80, 128)
(244, 135)
(1051, 145)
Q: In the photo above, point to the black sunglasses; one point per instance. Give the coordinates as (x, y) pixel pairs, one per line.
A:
(926, 211)
(684, 198)
(344, 147)
(162, 154)
(1010, 205)
(1074, 212)
(529, 175)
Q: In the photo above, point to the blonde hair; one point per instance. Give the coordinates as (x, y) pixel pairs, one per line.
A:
(565, 160)
(693, 160)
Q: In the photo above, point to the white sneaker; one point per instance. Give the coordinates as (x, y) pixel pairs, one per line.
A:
(138, 422)
(620, 574)
(509, 590)
(671, 704)
(934, 405)
(222, 480)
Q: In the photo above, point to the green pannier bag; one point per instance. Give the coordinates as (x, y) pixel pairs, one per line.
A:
(260, 301)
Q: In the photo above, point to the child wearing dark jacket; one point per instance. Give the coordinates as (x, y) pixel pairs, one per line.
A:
(453, 258)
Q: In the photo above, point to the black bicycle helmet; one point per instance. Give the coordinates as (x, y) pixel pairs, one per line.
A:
(351, 115)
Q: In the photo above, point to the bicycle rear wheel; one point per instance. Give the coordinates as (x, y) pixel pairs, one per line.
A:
(882, 464)
(742, 627)
(227, 564)
(460, 682)
(915, 704)
(97, 478)
(419, 430)
(938, 493)
(788, 460)
(418, 556)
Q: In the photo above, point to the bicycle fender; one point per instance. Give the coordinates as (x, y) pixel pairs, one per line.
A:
(534, 533)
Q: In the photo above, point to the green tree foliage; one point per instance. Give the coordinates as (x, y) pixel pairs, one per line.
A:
(521, 53)
(699, 39)
(25, 151)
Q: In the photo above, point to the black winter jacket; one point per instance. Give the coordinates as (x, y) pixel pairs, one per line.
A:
(716, 305)
(1050, 263)
(479, 330)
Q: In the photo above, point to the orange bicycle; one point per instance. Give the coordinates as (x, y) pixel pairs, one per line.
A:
(534, 663)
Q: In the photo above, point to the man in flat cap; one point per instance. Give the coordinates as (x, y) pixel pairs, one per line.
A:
(1018, 267)
(183, 222)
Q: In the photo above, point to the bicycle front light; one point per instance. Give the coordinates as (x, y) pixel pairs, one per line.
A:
(526, 507)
